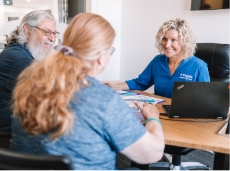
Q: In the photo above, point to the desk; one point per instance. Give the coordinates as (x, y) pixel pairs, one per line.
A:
(197, 135)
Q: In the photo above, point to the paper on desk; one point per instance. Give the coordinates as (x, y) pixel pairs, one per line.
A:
(127, 93)
(131, 96)
(132, 106)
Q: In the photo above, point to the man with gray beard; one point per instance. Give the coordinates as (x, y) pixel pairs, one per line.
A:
(32, 39)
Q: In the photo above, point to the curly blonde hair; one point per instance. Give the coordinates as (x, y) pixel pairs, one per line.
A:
(187, 39)
(45, 88)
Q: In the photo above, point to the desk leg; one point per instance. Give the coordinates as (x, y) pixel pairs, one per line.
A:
(221, 161)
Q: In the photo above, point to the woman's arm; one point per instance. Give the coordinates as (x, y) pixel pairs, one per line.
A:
(150, 147)
(142, 82)
(117, 86)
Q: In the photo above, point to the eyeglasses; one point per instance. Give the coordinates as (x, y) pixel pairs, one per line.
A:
(48, 33)
(112, 49)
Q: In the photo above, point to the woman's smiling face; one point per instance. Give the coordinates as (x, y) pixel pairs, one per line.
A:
(171, 44)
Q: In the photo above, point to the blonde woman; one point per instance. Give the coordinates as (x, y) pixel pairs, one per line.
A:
(176, 62)
(61, 109)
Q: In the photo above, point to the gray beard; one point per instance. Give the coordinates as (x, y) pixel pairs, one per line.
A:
(37, 50)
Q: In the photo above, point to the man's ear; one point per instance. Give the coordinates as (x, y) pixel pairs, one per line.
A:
(26, 30)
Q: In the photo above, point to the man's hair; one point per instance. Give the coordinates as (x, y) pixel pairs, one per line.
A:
(33, 18)
(44, 89)
(187, 39)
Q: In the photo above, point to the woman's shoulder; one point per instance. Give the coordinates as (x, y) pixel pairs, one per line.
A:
(159, 58)
(96, 84)
(199, 61)
(97, 90)
(96, 98)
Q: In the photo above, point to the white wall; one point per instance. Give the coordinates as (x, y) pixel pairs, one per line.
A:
(48, 5)
(1, 13)
(111, 10)
(19, 9)
(22, 7)
(15, 11)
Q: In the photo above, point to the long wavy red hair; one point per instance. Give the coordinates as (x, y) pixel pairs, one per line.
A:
(45, 88)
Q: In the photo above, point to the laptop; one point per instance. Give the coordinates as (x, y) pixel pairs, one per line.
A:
(199, 100)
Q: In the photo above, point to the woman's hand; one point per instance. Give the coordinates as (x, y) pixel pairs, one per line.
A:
(117, 86)
(109, 84)
(150, 147)
(148, 110)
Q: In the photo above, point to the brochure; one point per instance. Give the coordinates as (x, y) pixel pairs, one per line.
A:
(131, 96)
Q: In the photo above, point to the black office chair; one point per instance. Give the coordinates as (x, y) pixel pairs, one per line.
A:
(5, 139)
(217, 57)
(10, 160)
(177, 153)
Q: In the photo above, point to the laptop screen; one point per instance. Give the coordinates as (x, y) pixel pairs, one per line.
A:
(200, 100)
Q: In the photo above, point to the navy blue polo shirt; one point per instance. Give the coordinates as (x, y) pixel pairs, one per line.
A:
(13, 59)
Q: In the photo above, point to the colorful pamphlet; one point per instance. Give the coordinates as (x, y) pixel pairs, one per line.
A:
(131, 96)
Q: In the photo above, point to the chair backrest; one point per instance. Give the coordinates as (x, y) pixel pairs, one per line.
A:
(10, 160)
(217, 57)
(4, 134)
(5, 139)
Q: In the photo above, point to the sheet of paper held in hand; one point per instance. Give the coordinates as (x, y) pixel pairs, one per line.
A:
(130, 96)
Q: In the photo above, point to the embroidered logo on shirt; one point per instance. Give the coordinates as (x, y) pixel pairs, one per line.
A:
(186, 76)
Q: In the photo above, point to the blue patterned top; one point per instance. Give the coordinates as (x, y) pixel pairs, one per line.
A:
(104, 125)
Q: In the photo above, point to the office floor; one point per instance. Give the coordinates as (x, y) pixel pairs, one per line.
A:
(204, 157)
